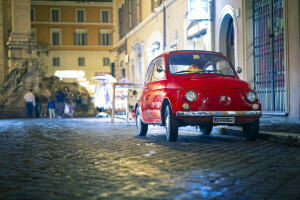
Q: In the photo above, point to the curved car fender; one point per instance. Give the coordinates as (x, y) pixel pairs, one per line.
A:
(172, 96)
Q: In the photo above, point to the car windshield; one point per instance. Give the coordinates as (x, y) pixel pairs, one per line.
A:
(199, 63)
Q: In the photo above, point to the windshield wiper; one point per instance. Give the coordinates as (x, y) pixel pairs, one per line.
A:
(184, 71)
(212, 72)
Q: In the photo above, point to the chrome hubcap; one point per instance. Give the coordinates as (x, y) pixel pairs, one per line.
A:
(138, 122)
(168, 124)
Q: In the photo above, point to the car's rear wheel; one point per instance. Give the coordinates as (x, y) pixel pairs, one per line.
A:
(171, 125)
(205, 129)
(251, 130)
(141, 127)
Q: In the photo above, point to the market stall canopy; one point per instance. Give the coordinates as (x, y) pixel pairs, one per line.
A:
(101, 77)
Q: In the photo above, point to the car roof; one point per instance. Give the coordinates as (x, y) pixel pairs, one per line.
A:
(190, 51)
(187, 51)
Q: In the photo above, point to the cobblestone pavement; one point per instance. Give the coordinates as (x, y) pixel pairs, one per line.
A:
(94, 159)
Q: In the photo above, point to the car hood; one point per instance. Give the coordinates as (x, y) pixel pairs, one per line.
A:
(207, 82)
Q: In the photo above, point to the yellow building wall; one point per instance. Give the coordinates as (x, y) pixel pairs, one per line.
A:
(67, 52)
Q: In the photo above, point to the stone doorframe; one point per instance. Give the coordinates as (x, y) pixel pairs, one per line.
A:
(227, 10)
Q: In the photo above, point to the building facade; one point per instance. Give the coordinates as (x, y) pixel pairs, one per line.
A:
(259, 36)
(75, 38)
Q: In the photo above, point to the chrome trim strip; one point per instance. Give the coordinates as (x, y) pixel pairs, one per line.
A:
(218, 113)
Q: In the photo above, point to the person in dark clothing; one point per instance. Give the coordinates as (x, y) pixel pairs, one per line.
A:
(37, 106)
(60, 100)
(51, 108)
(78, 102)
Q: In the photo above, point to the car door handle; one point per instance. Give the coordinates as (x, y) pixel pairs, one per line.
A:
(146, 88)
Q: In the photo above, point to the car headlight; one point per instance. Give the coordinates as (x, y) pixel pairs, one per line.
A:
(190, 96)
(251, 96)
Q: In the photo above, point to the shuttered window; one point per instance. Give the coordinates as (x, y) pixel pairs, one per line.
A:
(80, 37)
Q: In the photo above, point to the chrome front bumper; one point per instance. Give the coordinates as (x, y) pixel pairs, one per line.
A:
(218, 113)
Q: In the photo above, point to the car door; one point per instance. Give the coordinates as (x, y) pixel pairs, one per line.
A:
(144, 99)
(154, 91)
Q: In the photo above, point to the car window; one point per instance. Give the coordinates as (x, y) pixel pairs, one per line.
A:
(199, 63)
(159, 70)
(149, 73)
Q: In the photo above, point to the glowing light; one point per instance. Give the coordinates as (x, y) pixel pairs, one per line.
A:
(70, 74)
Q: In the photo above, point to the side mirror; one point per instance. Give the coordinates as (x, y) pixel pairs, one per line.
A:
(239, 70)
(159, 69)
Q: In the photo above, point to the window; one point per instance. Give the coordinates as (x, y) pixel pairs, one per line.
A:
(113, 69)
(194, 63)
(105, 37)
(121, 21)
(106, 62)
(56, 62)
(159, 70)
(155, 4)
(55, 37)
(81, 61)
(105, 16)
(123, 73)
(149, 73)
(80, 37)
(132, 69)
(32, 14)
(55, 15)
(33, 34)
(130, 13)
(80, 15)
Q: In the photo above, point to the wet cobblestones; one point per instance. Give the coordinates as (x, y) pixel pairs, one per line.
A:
(94, 159)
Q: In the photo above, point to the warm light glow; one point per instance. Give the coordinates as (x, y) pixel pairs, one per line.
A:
(84, 84)
(70, 74)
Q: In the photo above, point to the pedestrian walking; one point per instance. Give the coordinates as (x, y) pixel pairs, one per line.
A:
(44, 102)
(84, 102)
(60, 100)
(68, 95)
(78, 102)
(37, 106)
(30, 103)
(51, 108)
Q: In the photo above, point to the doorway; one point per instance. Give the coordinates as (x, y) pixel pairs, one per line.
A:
(269, 63)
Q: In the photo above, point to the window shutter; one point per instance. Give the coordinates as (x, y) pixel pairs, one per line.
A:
(85, 39)
(76, 38)
(101, 39)
(109, 39)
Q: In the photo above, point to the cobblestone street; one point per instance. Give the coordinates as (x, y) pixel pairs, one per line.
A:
(94, 159)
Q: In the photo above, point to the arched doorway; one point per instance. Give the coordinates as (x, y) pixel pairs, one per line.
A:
(227, 38)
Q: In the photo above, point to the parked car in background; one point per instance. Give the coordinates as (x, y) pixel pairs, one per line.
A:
(196, 88)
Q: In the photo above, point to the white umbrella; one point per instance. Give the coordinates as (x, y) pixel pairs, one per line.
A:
(101, 77)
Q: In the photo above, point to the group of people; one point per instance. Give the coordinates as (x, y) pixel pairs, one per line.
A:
(60, 105)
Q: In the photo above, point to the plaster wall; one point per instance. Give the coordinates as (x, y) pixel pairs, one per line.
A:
(69, 61)
(293, 59)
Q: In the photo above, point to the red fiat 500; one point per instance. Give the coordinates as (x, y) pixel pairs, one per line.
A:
(196, 88)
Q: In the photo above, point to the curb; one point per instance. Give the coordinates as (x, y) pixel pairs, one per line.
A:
(282, 138)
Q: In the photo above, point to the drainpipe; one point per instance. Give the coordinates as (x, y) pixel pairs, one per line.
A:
(164, 26)
(212, 24)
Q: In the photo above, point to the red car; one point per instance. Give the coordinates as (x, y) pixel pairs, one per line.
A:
(196, 88)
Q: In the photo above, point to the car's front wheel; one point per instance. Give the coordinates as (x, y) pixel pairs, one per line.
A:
(205, 129)
(141, 127)
(171, 125)
(251, 130)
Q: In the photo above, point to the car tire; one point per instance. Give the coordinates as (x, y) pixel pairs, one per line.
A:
(141, 127)
(251, 130)
(171, 125)
(205, 129)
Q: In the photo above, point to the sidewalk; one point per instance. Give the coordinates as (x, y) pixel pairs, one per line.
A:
(279, 131)
(271, 129)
